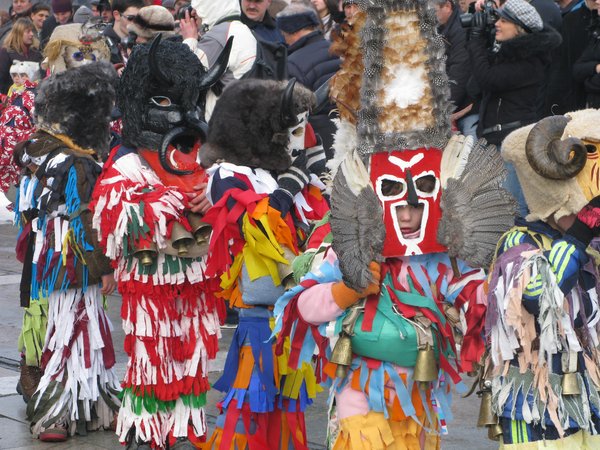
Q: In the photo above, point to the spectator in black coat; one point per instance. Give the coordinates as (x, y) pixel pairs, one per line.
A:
(510, 74)
(565, 94)
(18, 9)
(458, 67)
(255, 15)
(309, 61)
(586, 69)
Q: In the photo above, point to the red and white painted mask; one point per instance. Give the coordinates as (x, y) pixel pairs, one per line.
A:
(409, 177)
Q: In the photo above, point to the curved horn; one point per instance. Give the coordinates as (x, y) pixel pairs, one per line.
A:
(217, 70)
(155, 69)
(195, 124)
(549, 156)
(164, 146)
(288, 115)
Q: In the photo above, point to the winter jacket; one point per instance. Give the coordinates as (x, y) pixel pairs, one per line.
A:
(266, 29)
(584, 71)
(458, 68)
(310, 62)
(510, 79)
(6, 60)
(564, 93)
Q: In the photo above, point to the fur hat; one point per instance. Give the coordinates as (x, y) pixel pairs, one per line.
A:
(77, 103)
(84, 37)
(31, 68)
(246, 127)
(297, 17)
(152, 20)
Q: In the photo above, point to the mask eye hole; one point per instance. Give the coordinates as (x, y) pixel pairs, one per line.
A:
(159, 100)
(426, 184)
(392, 188)
(298, 132)
(78, 56)
(591, 148)
(93, 57)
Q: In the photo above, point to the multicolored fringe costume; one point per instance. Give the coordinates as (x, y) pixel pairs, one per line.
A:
(378, 403)
(542, 322)
(78, 386)
(169, 316)
(250, 251)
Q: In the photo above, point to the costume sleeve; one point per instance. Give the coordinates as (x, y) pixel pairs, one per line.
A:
(467, 294)
(97, 263)
(316, 305)
(131, 207)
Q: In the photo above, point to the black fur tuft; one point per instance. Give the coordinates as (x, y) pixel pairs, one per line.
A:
(78, 103)
(245, 127)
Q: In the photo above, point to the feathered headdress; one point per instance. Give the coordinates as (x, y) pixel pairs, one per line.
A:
(393, 95)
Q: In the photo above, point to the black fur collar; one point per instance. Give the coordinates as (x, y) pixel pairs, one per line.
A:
(530, 45)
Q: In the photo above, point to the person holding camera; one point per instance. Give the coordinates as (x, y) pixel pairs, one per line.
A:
(511, 72)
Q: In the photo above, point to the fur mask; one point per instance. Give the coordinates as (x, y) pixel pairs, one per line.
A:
(246, 126)
(77, 103)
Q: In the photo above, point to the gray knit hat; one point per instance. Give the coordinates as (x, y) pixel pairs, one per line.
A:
(152, 20)
(523, 14)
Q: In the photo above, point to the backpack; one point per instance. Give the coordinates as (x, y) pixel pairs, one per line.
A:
(270, 62)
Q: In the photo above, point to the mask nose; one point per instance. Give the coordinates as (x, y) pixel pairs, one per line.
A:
(412, 199)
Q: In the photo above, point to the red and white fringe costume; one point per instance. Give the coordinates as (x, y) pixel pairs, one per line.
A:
(171, 324)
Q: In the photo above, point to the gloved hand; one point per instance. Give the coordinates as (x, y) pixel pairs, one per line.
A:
(316, 159)
(296, 177)
(479, 24)
(345, 297)
(587, 222)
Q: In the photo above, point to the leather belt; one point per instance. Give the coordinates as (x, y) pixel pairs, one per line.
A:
(502, 126)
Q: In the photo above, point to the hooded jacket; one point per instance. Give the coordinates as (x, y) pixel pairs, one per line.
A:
(510, 79)
(222, 19)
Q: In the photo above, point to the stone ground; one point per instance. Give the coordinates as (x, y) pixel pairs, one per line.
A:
(14, 431)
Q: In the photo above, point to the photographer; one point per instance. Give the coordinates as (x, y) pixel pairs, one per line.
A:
(511, 71)
(586, 69)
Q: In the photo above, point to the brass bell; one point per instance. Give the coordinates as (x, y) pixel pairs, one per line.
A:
(486, 416)
(570, 386)
(181, 239)
(495, 432)
(146, 255)
(426, 367)
(342, 355)
(200, 230)
(286, 272)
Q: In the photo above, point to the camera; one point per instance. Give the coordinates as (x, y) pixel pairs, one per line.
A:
(489, 11)
(182, 10)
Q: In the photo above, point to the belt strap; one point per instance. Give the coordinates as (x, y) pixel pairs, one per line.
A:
(502, 126)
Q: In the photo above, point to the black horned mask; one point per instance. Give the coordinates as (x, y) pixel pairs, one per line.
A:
(162, 95)
(251, 122)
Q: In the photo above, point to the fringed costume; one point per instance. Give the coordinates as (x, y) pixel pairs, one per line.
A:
(78, 389)
(141, 211)
(266, 197)
(387, 279)
(542, 321)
